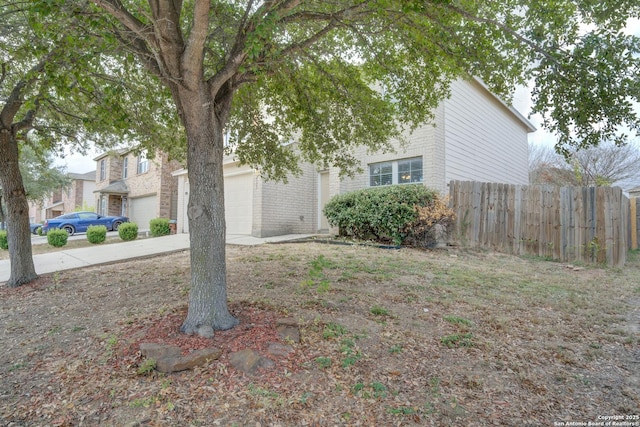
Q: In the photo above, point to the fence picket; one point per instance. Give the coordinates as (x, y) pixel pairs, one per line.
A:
(570, 224)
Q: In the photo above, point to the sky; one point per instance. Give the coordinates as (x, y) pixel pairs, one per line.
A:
(78, 163)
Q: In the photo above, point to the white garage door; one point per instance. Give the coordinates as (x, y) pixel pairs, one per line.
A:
(238, 198)
(142, 210)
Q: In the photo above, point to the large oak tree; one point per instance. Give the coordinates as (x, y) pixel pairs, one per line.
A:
(341, 73)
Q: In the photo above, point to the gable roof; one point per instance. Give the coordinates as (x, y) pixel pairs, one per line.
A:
(88, 176)
(527, 124)
(116, 187)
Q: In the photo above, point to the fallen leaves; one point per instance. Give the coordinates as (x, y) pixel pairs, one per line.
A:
(548, 343)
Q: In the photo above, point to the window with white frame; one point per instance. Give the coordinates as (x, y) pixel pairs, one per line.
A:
(103, 169)
(405, 171)
(125, 168)
(143, 164)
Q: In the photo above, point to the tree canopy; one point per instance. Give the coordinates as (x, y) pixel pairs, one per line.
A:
(310, 69)
(333, 75)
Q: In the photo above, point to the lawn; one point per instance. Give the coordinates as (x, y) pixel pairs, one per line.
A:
(388, 337)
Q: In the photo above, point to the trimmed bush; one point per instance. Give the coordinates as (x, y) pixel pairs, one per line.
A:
(128, 231)
(96, 234)
(431, 225)
(4, 241)
(385, 214)
(57, 238)
(159, 227)
(39, 232)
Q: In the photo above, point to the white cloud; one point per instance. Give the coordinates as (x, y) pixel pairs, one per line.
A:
(77, 162)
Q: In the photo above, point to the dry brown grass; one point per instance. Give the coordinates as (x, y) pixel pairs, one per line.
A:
(389, 337)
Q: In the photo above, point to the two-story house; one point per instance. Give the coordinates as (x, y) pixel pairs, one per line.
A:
(130, 184)
(78, 195)
(474, 136)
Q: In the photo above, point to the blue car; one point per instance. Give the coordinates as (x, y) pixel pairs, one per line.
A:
(78, 222)
(34, 227)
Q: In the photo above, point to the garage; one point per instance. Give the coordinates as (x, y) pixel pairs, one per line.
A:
(142, 210)
(238, 197)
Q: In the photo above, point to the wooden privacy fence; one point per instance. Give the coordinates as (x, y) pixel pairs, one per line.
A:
(569, 224)
(634, 217)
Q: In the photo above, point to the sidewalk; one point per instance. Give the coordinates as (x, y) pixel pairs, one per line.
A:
(113, 252)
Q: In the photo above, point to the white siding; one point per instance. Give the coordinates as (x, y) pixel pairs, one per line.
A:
(484, 140)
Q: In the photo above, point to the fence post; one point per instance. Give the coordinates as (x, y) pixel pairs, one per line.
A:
(634, 216)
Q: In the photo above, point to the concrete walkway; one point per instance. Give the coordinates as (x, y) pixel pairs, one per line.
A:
(141, 248)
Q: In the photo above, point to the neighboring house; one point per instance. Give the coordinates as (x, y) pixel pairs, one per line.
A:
(131, 185)
(78, 195)
(474, 136)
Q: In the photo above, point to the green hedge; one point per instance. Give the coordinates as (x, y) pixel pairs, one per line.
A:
(382, 213)
(57, 238)
(4, 241)
(96, 234)
(128, 231)
(159, 227)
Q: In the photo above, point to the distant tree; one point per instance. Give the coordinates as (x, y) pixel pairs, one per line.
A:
(604, 165)
(275, 69)
(546, 166)
(39, 174)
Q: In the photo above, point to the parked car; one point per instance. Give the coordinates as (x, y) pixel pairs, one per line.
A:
(78, 222)
(34, 228)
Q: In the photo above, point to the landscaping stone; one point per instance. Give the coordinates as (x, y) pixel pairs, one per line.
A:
(288, 329)
(249, 361)
(278, 350)
(159, 351)
(190, 361)
(169, 359)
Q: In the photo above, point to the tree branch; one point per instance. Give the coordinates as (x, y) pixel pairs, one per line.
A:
(27, 121)
(193, 55)
(118, 11)
(142, 37)
(15, 101)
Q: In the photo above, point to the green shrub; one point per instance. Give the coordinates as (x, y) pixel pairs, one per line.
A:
(128, 231)
(57, 238)
(380, 213)
(96, 234)
(39, 232)
(159, 227)
(4, 241)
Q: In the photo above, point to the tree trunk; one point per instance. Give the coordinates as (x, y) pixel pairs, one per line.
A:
(17, 215)
(207, 226)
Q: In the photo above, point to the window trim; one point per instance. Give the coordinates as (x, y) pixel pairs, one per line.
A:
(395, 171)
(142, 164)
(103, 169)
(125, 168)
